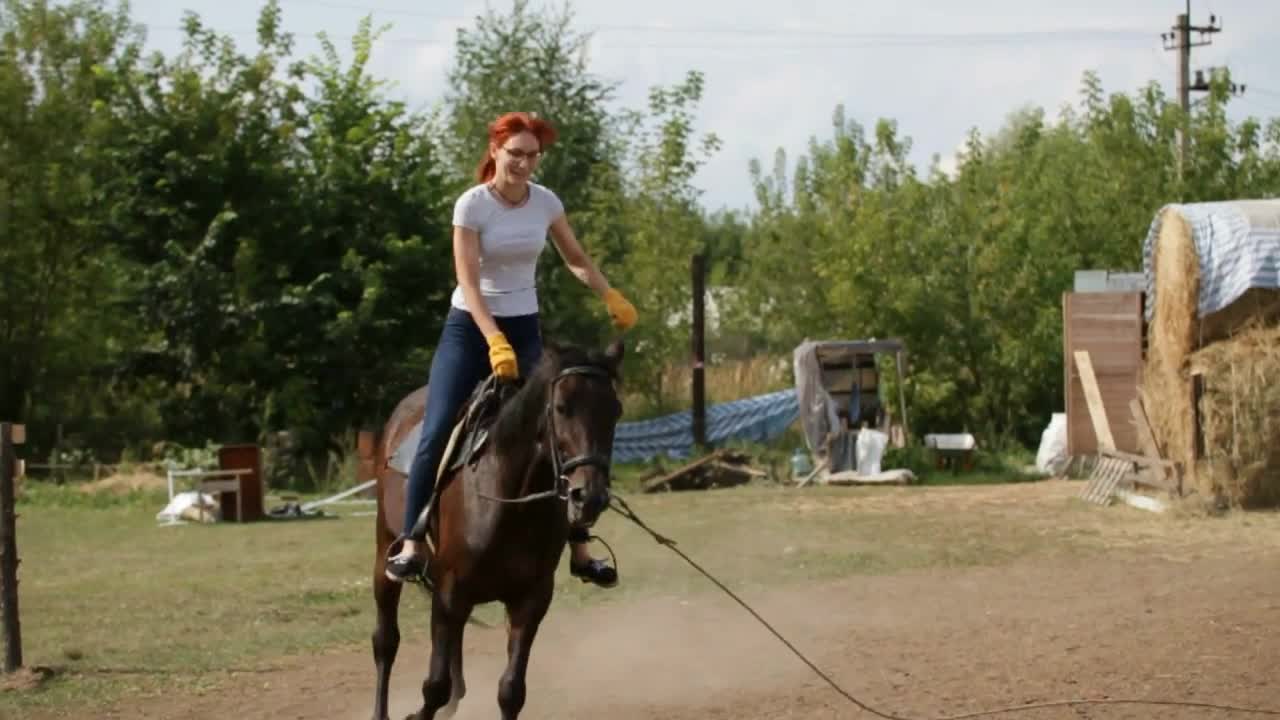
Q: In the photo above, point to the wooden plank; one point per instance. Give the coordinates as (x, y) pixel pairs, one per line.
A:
(1067, 306)
(1097, 410)
(1151, 478)
(656, 483)
(822, 465)
(1140, 459)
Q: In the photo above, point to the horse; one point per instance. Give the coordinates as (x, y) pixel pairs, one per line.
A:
(501, 514)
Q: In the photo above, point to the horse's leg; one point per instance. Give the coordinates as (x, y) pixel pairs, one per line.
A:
(446, 634)
(459, 685)
(386, 637)
(525, 615)
(386, 633)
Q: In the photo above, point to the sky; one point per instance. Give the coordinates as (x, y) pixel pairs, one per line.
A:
(774, 77)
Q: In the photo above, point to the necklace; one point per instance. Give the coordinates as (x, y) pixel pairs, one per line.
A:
(493, 187)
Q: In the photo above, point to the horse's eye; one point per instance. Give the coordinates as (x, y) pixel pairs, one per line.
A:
(562, 409)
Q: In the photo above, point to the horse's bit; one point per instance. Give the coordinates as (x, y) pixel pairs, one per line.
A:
(562, 468)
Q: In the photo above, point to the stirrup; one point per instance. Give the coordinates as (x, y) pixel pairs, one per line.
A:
(411, 569)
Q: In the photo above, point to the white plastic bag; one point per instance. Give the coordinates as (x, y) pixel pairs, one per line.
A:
(869, 449)
(192, 506)
(1052, 455)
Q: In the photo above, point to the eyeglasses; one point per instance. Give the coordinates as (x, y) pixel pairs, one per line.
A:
(518, 154)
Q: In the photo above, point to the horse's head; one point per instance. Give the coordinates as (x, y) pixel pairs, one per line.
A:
(582, 411)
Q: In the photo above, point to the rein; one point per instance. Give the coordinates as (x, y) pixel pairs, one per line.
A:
(561, 467)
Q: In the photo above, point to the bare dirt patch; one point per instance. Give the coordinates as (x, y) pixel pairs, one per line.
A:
(24, 679)
(922, 644)
(127, 481)
(1168, 609)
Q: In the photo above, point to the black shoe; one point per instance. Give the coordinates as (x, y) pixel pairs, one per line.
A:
(595, 571)
(406, 568)
(412, 568)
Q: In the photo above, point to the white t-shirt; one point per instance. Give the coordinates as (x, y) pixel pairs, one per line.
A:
(511, 239)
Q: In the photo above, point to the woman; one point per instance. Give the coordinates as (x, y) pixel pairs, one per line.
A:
(499, 228)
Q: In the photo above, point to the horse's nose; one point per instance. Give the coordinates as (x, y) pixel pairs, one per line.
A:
(589, 502)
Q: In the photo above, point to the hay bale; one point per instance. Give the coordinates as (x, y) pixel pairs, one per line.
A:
(1171, 335)
(1182, 333)
(1240, 417)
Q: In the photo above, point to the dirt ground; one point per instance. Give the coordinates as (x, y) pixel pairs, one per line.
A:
(1197, 627)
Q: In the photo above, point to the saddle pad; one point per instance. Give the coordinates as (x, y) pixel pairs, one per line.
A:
(481, 410)
(458, 452)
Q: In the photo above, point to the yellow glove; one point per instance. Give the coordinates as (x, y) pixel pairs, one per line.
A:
(621, 310)
(502, 357)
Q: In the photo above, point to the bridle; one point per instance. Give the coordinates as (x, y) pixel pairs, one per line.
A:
(561, 467)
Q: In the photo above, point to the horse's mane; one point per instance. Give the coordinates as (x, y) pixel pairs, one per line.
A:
(521, 415)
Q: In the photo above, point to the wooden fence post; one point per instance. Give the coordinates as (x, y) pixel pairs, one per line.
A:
(10, 436)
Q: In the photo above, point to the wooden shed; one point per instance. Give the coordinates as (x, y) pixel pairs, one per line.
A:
(1110, 326)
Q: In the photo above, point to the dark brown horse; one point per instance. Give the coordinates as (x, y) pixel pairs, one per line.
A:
(501, 522)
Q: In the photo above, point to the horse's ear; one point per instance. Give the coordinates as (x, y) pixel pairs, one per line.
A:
(551, 350)
(615, 352)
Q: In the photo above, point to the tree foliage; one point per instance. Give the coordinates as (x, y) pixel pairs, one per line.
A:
(227, 243)
(969, 269)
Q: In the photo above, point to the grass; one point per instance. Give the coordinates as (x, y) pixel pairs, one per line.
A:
(722, 382)
(124, 609)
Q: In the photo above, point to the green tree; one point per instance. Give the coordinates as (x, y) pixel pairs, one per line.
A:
(290, 241)
(662, 225)
(970, 269)
(60, 326)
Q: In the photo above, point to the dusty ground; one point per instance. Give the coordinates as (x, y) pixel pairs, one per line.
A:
(1148, 618)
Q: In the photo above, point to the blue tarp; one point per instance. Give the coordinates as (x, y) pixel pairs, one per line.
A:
(757, 419)
(1237, 244)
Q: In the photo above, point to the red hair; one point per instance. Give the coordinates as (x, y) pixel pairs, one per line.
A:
(513, 123)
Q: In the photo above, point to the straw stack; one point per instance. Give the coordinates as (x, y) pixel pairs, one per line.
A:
(1236, 353)
(1240, 416)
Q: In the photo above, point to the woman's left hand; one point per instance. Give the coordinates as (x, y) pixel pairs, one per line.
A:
(621, 311)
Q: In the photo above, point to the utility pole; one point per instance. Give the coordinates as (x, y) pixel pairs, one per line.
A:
(1179, 40)
(698, 272)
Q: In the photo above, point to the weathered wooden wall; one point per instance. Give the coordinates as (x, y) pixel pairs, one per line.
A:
(1109, 326)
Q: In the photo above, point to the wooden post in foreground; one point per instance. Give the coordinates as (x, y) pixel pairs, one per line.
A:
(10, 436)
(699, 276)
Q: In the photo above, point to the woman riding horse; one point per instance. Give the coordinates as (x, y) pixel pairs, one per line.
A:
(499, 229)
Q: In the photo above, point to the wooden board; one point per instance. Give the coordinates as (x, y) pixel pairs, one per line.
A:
(1109, 326)
(1093, 396)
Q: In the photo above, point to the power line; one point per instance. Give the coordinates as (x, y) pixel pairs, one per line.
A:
(863, 42)
(1133, 33)
(1040, 34)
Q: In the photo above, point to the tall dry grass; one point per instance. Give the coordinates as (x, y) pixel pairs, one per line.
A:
(724, 381)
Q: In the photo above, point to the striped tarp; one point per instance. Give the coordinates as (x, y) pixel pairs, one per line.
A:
(759, 419)
(1238, 245)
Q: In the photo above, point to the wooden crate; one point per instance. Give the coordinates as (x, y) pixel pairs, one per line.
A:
(245, 502)
(1109, 325)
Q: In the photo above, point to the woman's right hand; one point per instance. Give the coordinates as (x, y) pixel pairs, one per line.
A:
(502, 357)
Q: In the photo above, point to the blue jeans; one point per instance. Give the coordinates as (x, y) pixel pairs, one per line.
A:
(460, 363)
